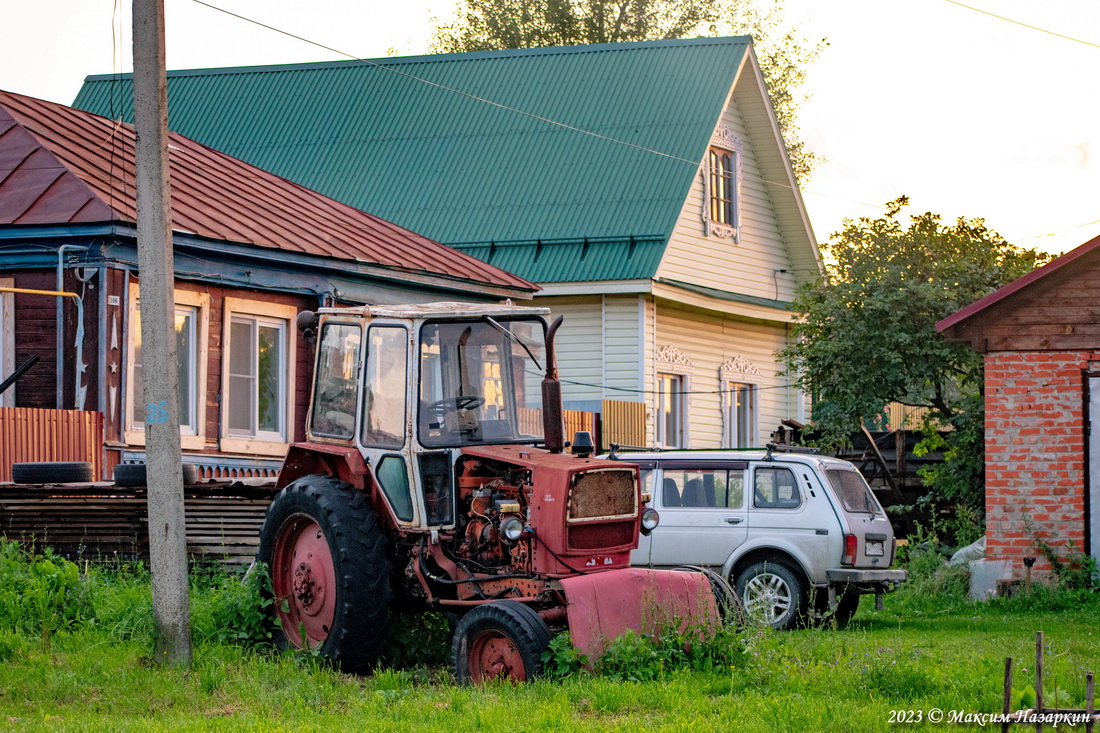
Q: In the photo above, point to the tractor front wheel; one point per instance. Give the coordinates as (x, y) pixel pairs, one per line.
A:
(499, 640)
(330, 576)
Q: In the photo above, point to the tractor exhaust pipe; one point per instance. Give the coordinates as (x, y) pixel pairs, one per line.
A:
(553, 427)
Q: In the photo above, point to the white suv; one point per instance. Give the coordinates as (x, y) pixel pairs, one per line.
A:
(798, 535)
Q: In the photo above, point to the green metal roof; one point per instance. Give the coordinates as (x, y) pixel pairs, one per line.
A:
(411, 141)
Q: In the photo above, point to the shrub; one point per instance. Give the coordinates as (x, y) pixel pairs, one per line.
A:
(42, 594)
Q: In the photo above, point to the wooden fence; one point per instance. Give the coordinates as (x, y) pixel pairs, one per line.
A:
(623, 423)
(31, 435)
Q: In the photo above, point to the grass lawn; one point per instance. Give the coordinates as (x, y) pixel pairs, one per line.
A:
(908, 658)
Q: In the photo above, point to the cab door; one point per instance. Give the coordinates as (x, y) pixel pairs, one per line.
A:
(703, 515)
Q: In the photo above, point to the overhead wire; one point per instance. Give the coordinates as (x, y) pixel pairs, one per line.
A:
(642, 148)
(1025, 25)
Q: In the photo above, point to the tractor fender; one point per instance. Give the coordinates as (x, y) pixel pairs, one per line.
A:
(602, 606)
(343, 462)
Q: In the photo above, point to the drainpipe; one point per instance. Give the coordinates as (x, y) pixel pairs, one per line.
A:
(61, 321)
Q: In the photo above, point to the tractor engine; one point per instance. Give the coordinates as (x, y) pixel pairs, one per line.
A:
(492, 501)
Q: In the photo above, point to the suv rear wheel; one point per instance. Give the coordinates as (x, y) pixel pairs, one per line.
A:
(772, 594)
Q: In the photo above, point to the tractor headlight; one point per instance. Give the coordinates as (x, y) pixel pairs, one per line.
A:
(511, 529)
(650, 519)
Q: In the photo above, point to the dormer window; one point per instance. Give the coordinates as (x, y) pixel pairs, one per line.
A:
(722, 187)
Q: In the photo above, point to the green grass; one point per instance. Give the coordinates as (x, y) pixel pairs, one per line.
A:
(60, 671)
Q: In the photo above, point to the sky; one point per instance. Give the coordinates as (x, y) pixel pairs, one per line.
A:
(965, 113)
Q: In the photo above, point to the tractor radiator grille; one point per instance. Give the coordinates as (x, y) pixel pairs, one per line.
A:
(608, 493)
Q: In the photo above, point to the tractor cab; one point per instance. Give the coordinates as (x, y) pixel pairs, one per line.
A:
(411, 386)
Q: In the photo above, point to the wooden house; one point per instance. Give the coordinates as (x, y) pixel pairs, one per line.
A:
(1040, 338)
(644, 186)
(251, 251)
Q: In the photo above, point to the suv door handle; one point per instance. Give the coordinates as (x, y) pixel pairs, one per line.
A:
(734, 520)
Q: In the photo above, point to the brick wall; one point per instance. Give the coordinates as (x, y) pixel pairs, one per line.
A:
(1035, 453)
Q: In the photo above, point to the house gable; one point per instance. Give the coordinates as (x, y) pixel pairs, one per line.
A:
(772, 249)
(1054, 308)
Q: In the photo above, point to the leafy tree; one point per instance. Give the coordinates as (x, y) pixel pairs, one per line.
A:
(783, 53)
(867, 332)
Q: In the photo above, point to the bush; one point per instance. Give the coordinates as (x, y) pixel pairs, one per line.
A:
(42, 594)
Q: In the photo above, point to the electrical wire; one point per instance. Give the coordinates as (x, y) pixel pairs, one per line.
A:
(1025, 25)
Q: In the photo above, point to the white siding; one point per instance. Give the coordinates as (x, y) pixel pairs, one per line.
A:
(748, 267)
(709, 340)
(624, 343)
(579, 345)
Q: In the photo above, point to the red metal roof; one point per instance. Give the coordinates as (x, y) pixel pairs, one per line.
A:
(1018, 284)
(59, 165)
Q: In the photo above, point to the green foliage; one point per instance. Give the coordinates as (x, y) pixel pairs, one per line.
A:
(638, 657)
(783, 53)
(42, 594)
(418, 638)
(1073, 569)
(867, 335)
(561, 659)
(231, 607)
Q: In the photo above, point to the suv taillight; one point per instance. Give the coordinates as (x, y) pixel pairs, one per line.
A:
(850, 545)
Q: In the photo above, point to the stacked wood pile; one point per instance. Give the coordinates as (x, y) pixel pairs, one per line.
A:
(102, 521)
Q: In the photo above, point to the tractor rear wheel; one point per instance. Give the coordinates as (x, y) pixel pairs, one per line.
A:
(499, 640)
(330, 576)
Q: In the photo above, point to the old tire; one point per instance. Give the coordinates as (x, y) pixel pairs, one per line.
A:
(330, 576)
(499, 640)
(773, 594)
(53, 472)
(134, 474)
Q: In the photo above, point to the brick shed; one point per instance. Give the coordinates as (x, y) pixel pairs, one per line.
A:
(1040, 337)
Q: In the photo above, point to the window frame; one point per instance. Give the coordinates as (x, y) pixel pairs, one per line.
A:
(192, 437)
(265, 443)
(733, 413)
(721, 206)
(675, 400)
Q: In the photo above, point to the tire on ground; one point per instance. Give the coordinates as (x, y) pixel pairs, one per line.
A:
(772, 593)
(54, 472)
(501, 639)
(134, 474)
(325, 554)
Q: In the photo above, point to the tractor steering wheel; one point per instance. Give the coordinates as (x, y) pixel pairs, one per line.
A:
(463, 402)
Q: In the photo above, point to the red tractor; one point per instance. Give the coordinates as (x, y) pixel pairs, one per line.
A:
(434, 474)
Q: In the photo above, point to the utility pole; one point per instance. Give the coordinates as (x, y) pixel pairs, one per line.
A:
(163, 465)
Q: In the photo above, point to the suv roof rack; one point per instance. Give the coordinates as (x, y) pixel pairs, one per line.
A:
(777, 448)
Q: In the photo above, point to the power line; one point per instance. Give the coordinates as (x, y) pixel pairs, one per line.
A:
(1020, 23)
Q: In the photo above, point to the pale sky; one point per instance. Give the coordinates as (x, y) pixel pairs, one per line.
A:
(967, 114)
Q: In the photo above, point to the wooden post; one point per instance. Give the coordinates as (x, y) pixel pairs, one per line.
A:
(1039, 679)
(1007, 707)
(1090, 700)
(164, 472)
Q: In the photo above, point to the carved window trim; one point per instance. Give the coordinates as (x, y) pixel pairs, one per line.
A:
(739, 373)
(722, 177)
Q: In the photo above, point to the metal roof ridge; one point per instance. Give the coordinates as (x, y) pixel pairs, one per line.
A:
(463, 56)
(614, 239)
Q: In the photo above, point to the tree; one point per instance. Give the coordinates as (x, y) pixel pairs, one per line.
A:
(783, 53)
(867, 332)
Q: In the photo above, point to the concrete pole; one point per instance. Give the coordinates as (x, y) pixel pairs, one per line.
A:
(167, 539)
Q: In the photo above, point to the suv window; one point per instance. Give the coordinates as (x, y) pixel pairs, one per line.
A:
(775, 488)
(853, 491)
(712, 487)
